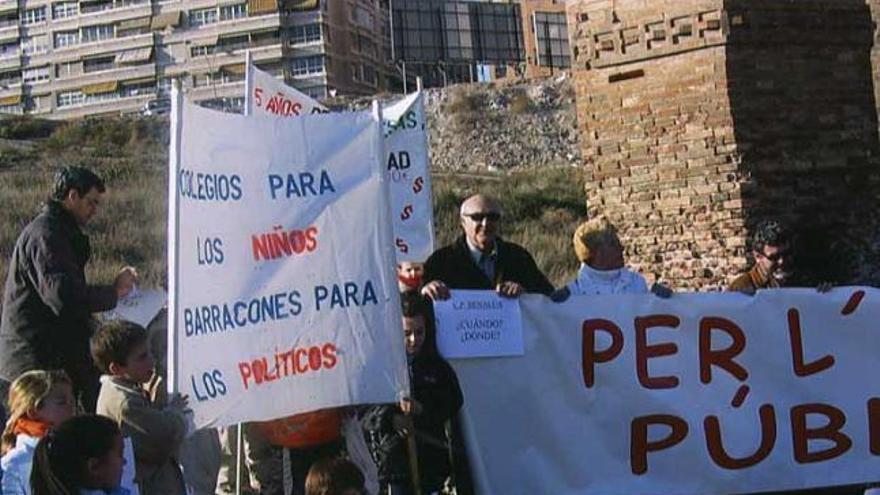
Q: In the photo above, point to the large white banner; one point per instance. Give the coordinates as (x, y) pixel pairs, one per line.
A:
(408, 172)
(283, 295)
(696, 394)
(266, 95)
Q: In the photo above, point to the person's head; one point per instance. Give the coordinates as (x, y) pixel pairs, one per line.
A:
(45, 397)
(334, 476)
(481, 219)
(79, 191)
(596, 244)
(771, 248)
(84, 452)
(120, 349)
(416, 311)
(409, 275)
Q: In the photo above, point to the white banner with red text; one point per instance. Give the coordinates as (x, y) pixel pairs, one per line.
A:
(696, 394)
(269, 96)
(408, 173)
(283, 294)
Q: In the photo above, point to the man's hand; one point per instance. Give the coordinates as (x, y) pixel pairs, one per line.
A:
(824, 287)
(178, 402)
(125, 281)
(749, 291)
(410, 406)
(436, 290)
(509, 289)
(560, 295)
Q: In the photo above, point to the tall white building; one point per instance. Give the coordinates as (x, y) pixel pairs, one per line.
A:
(67, 58)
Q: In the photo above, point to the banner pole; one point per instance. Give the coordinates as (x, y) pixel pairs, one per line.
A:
(248, 82)
(413, 455)
(239, 444)
(177, 103)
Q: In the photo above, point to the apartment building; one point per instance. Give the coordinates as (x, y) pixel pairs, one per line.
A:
(67, 58)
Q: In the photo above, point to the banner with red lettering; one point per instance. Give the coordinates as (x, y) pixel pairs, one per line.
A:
(696, 394)
(408, 173)
(283, 294)
(266, 95)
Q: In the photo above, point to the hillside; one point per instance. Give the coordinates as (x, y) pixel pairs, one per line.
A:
(482, 140)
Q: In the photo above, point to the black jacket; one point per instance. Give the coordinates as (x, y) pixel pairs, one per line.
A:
(454, 266)
(46, 321)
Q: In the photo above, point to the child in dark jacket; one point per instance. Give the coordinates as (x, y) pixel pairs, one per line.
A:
(436, 399)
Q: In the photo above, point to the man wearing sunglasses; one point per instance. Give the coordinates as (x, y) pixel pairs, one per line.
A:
(480, 259)
(771, 249)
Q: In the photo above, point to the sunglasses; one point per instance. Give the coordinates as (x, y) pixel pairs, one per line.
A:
(775, 257)
(479, 217)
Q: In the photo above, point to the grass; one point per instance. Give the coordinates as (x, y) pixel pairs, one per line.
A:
(541, 207)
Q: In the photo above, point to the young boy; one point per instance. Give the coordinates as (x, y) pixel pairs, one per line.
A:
(436, 399)
(121, 352)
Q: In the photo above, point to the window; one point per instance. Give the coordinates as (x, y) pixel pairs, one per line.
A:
(15, 108)
(35, 75)
(66, 38)
(164, 85)
(362, 17)
(34, 16)
(34, 45)
(97, 33)
(68, 98)
(305, 34)
(307, 65)
(202, 17)
(10, 19)
(369, 75)
(316, 91)
(68, 69)
(99, 63)
(233, 43)
(10, 78)
(139, 89)
(9, 49)
(92, 7)
(229, 12)
(60, 10)
(201, 51)
(551, 35)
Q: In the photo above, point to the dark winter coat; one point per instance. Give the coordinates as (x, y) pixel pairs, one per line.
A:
(47, 305)
(454, 266)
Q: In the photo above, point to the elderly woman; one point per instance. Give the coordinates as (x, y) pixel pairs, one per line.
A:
(602, 272)
(601, 255)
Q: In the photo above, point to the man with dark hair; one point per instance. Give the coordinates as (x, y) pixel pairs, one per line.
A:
(480, 259)
(771, 249)
(47, 305)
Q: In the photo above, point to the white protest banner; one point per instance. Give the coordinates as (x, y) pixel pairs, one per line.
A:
(478, 323)
(139, 306)
(408, 172)
(696, 394)
(282, 297)
(267, 95)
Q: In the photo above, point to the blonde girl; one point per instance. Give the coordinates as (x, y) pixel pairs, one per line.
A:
(38, 402)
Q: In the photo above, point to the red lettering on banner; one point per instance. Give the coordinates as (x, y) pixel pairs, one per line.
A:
(644, 352)
(801, 435)
(722, 358)
(802, 369)
(280, 243)
(590, 355)
(639, 444)
(289, 363)
(715, 445)
(279, 104)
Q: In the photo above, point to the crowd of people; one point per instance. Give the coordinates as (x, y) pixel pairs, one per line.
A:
(80, 399)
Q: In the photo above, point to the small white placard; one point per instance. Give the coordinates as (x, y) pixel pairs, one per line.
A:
(139, 306)
(478, 323)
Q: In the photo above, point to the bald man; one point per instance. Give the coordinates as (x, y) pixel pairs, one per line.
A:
(480, 259)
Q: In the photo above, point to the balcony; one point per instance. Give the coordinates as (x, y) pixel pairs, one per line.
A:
(95, 48)
(122, 74)
(128, 104)
(211, 62)
(10, 61)
(9, 32)
(115, 14)
(227, 90)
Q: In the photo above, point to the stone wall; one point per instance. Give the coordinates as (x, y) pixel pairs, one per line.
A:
(700, 117)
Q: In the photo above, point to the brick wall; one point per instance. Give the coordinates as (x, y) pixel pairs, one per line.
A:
(699, 117)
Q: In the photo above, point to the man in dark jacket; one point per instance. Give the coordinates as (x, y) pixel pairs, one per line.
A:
(481, 260)
(47, 305)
